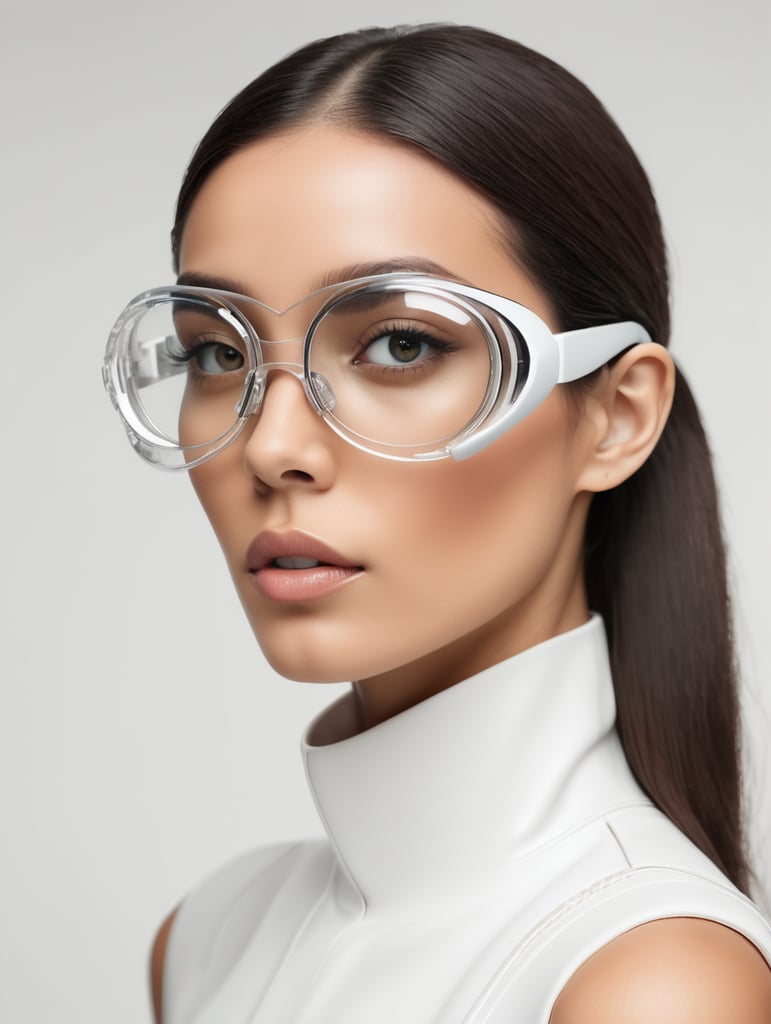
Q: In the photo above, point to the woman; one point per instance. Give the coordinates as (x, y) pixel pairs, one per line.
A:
(392, 247)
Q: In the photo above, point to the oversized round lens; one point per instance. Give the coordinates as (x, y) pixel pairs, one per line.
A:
(407, 368)
(395, 369)
(186, 363)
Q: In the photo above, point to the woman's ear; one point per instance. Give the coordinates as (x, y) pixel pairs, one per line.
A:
(627, 411)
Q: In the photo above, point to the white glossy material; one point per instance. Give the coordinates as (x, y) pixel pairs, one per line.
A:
(481, 846)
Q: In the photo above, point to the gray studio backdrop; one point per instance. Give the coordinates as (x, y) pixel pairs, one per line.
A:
(143, 740)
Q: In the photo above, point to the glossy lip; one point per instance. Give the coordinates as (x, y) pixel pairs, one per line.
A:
(268, 546)
(291, 585)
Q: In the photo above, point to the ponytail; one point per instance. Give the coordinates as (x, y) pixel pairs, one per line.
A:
(656, 571)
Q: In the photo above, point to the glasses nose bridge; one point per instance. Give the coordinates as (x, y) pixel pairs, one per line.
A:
(318, 393)
(282, 351)
(282, 354)
(258, 384)
(277, 353)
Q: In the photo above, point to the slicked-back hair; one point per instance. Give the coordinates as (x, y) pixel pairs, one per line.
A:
(581, 217)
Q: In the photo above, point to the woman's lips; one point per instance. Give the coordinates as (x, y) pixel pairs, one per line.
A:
(301, 584)
(294, 566)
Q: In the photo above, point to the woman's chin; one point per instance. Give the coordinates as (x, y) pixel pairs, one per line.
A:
(303, 667)
(304, 661)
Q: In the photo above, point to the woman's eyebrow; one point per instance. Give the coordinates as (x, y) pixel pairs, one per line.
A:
(220, 284)
(350, 272)
(399, 264)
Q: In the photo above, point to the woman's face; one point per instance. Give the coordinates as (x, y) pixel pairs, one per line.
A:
(443, 568)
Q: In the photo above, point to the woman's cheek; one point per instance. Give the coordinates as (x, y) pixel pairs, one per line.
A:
(446, 546)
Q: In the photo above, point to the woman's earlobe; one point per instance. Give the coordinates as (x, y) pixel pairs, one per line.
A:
(634, 399)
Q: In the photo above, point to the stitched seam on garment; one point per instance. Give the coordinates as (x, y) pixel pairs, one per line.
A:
(495, 989)
(707, 882)
(490, 997)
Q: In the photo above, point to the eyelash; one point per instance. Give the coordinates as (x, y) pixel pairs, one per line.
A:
(188, 355)
(438, 348)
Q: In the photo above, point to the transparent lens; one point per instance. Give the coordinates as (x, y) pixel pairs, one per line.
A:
(185, 363)
(407, 368)
(398, 370)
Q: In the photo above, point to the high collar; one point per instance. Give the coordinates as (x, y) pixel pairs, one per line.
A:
(476, 777)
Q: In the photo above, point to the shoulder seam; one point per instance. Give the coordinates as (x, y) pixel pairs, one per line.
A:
(618, 842)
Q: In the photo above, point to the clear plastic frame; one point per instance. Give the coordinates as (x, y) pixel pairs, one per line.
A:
(403, 366)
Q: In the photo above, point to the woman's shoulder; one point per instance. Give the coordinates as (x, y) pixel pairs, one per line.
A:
(650, 915)
(678, 970)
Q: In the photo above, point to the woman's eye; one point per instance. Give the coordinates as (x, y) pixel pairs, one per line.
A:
(214, 357)
(399, 348)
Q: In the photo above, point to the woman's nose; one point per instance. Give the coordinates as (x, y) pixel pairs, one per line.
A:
(289, 444)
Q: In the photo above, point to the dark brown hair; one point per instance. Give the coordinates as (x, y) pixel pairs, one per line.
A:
(582, 218)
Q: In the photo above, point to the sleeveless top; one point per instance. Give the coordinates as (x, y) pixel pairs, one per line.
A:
(481, 846)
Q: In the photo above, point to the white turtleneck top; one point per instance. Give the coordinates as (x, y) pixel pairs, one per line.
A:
(481, 846)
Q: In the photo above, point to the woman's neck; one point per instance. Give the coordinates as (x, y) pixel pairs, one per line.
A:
(383, 696)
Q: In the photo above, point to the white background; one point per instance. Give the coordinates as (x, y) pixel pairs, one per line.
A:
(142, 739)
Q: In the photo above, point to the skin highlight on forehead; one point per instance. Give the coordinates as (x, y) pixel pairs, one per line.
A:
(335, 211)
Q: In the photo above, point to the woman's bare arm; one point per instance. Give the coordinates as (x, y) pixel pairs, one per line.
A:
(673, 971)
(157, 961)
